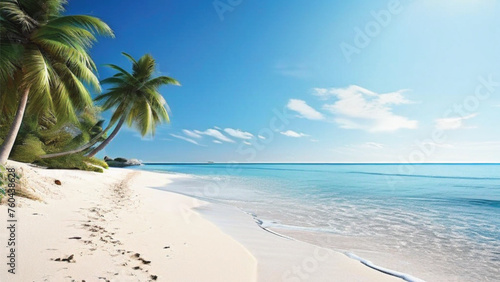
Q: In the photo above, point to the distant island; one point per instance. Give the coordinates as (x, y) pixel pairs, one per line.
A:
(121, 162)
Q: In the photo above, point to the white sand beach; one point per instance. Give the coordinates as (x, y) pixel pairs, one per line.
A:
(115, 227)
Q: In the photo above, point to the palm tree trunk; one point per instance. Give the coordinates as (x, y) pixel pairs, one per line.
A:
(8, 143)
(80, 149)
(111, 136)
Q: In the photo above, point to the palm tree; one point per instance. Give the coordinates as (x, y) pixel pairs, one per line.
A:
(136, 98)
(44, 59)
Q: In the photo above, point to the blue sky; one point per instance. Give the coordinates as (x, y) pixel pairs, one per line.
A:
(319, 81)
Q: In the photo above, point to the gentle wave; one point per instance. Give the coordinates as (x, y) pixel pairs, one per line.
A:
(401, 275)
(458, 201)
(267, 224)
(426, 176)
(479, 202)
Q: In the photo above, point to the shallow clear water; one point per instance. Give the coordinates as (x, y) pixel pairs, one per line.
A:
(435, 222)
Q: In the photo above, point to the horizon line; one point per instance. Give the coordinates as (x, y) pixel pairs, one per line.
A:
(320, 163)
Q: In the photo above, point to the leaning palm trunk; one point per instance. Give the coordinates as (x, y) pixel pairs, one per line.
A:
(80, 149)
(111, 136)
(8, 143)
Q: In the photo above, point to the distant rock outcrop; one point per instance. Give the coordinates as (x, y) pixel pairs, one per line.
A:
(121, 162)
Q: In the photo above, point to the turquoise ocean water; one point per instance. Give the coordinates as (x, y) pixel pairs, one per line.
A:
(436, 222)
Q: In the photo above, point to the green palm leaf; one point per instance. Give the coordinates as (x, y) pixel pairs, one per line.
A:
(135, 98)
(44, 61)
(50, 52)
(89, 23)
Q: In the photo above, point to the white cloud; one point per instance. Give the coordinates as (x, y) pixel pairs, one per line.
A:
(366, 145)
(215, 134)
(452, 123)
(191, 133)
(469, 146)
(217, 142)
(440, 145)
(484, 145)
(322, 93)
(373, 145)
(247, 143)
(185, 139)
(237, 133)
(293, 134)
(261, 137)
(359, 108)
(304, 109)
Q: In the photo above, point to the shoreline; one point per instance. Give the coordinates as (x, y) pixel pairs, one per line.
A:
(217, 212)
(397, 274)
(260, 223)
(107, 226)
(263, 225)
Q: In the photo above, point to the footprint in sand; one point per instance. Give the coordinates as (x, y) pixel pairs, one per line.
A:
(68, 259)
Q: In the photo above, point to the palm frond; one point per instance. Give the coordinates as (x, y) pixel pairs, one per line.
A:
(42, 11)
(62, 103)
(155, 83)
(116, 80)
(140, 116)
(10, 60)
(12, 11)
(129, 57)
(158, 104)
(89, 23)
(72, 36)
(79, 94)
(8, 96)
(122, 71)
(37, 72)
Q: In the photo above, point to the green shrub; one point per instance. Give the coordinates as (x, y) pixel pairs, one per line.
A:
(45, 134)
(74, 161)
(58, 140)
(69, 161)
(31, 148)
(28, 151)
